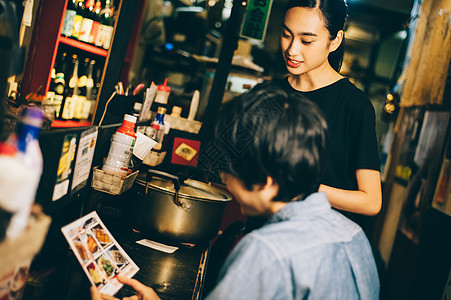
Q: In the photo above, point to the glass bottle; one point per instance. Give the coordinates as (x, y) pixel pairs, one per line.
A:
(78, 19)
(59, 86)
(71, 91)
(68, 23)
(96, 22)
(159, 128)
(107, 24)
(60, 70)
(88, 21)
(81, 93)
(90, 101)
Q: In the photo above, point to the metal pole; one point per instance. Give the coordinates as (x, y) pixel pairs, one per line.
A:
(229, 45)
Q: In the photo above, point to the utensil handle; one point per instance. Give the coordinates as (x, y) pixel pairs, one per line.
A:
(175, 179)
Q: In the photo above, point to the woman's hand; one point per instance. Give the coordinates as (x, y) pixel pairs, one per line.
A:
(144, 292)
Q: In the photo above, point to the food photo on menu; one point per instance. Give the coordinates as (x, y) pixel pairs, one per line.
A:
(99, 254)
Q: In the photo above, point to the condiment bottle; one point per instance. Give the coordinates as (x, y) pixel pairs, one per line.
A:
(121, 149)
(176, 111)
(159, 126)
(162, 95)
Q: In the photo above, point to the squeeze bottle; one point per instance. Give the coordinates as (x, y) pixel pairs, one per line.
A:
(163, 92)
(121, 148)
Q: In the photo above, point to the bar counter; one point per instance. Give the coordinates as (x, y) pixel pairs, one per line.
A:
(177, 275)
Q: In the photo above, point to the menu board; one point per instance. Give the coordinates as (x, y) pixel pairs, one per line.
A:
(101, 257)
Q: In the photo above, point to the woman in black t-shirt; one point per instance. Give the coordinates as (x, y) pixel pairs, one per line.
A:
(312, 46)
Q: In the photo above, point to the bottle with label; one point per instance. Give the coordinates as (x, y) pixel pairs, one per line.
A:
(78, 19)
(60, 70)
(96, 17)
(159, 128)
(57, 68)
(68, 23)
(96, 87)
(71, 93)
(90, 100)
(121, 149)
(88, 21)
(83, 78)
(53, 78)
(59, 84)
(106, 26)
(82, 89)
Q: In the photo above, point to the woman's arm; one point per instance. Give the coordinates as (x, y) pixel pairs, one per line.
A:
(366, 201)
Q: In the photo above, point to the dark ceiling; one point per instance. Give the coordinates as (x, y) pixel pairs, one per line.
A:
(385, 16)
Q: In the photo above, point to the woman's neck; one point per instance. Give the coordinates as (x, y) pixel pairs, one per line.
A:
(314, 79)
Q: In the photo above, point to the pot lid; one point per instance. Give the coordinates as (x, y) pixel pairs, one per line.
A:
(190, 188)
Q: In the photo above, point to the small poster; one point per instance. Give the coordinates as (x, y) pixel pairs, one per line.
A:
(65, 166)
(85, 154)
(256, 19)
(185, 152)
(99, 254)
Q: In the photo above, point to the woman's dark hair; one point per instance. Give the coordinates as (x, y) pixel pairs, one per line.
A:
(268, 132)
(335, 13)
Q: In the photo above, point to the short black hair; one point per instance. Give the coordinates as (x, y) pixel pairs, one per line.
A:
(268, 132)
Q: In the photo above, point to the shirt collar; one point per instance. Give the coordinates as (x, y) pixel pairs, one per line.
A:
(311, 206)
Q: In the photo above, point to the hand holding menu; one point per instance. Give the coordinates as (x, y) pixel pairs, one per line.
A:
(101, 257)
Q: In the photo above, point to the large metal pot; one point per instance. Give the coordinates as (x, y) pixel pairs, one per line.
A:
(182, 211)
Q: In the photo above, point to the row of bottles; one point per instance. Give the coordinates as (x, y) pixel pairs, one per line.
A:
(158, 128)
(89, 21)
(122, 157)
(75, 81)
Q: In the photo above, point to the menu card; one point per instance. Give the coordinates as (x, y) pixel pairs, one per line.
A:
(101, 257)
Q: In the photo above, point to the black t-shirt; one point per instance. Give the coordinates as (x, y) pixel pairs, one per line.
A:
(352, 142)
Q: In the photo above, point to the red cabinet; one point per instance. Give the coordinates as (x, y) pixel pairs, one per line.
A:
(47, 41)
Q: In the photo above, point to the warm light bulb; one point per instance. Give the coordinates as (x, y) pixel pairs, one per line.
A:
(389, 97)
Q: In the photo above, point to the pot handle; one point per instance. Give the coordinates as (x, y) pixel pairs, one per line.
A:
(175, 179)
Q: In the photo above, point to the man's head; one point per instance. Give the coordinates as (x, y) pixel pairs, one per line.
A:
(273, 139)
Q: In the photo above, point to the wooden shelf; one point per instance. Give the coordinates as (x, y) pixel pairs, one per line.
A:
(83, 46)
